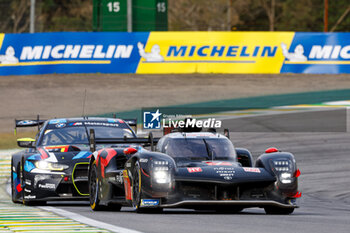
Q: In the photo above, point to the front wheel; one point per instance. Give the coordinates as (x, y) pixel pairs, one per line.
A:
(94, 189)
(278, 211)
(137, 192)
(136, 187)
(13, 183)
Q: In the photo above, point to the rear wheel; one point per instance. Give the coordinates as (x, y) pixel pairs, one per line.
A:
(94, 189)
(280, 211)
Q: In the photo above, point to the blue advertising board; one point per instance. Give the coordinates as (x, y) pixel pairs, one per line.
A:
(70, 52)
(318, 53)
(174, 52)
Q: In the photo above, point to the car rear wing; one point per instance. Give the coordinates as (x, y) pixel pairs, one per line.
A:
(148, 141)
(28, 123)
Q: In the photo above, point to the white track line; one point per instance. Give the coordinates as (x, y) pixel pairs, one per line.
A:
(88, 221)
(80, 218)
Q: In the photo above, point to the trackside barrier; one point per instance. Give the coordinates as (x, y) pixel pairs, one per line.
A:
(174, 52)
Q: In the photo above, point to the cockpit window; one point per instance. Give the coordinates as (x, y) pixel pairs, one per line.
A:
(201, 149)
(79, 135)
(111, 132)
(65, 136)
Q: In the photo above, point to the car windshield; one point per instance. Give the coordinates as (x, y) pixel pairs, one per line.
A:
(78, 135)
(201, 149)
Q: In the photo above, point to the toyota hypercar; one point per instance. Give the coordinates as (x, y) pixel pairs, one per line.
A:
(197, 170)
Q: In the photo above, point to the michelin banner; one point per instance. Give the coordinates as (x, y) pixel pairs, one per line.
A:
(174, 52)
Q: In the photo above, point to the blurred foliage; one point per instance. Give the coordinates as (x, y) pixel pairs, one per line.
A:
(186, 15)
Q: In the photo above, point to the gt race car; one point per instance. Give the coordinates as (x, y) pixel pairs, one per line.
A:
(54, 166)
(197, 170)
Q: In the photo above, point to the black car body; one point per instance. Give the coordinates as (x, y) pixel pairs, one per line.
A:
(54, 166)
(199, 170)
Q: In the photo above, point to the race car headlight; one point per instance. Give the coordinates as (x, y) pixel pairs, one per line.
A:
(284, 165)
(50, 166)
(286, 178)
(161, 172)
(161, 176)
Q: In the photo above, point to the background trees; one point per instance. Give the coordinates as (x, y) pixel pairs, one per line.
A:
(187, 15)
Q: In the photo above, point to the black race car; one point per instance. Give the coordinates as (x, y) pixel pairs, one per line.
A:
(201, 170)
(55, 164)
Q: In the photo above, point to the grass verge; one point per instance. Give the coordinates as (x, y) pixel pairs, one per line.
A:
(9, 140)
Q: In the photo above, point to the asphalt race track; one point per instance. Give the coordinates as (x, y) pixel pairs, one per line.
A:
(323, 158)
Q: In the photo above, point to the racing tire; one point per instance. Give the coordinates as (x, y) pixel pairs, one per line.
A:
(278, 211)
(94, 189)
(137, 192)
(13, 191)
(136, 188)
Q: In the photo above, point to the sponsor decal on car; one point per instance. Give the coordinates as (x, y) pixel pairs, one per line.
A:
(28, 182)
(143, 160)
(30, 197)
(60, 125)
(27, 190)
(47, 186)
(56, 121)
(218, 163)
(76, 124)
(149, 202)
(194, 169)
(251, 169)
(226, 172)
(102, 124)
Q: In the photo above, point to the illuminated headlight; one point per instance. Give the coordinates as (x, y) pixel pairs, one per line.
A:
(282, 165)
(161, 176)
(156, 162)
(161, 168)
(50, 166)
(286, 178)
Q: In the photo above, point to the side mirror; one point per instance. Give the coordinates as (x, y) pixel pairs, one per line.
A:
(26, 142)
(227, 133)
(130, 151)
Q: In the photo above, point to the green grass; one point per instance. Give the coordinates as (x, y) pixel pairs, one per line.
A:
(9, 140)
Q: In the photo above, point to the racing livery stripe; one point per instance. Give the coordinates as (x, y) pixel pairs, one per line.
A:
(104, 161)
(43, 153)
(19, 218)
(83, 154)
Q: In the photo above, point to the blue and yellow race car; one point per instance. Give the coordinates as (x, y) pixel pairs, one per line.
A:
(54, 165)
